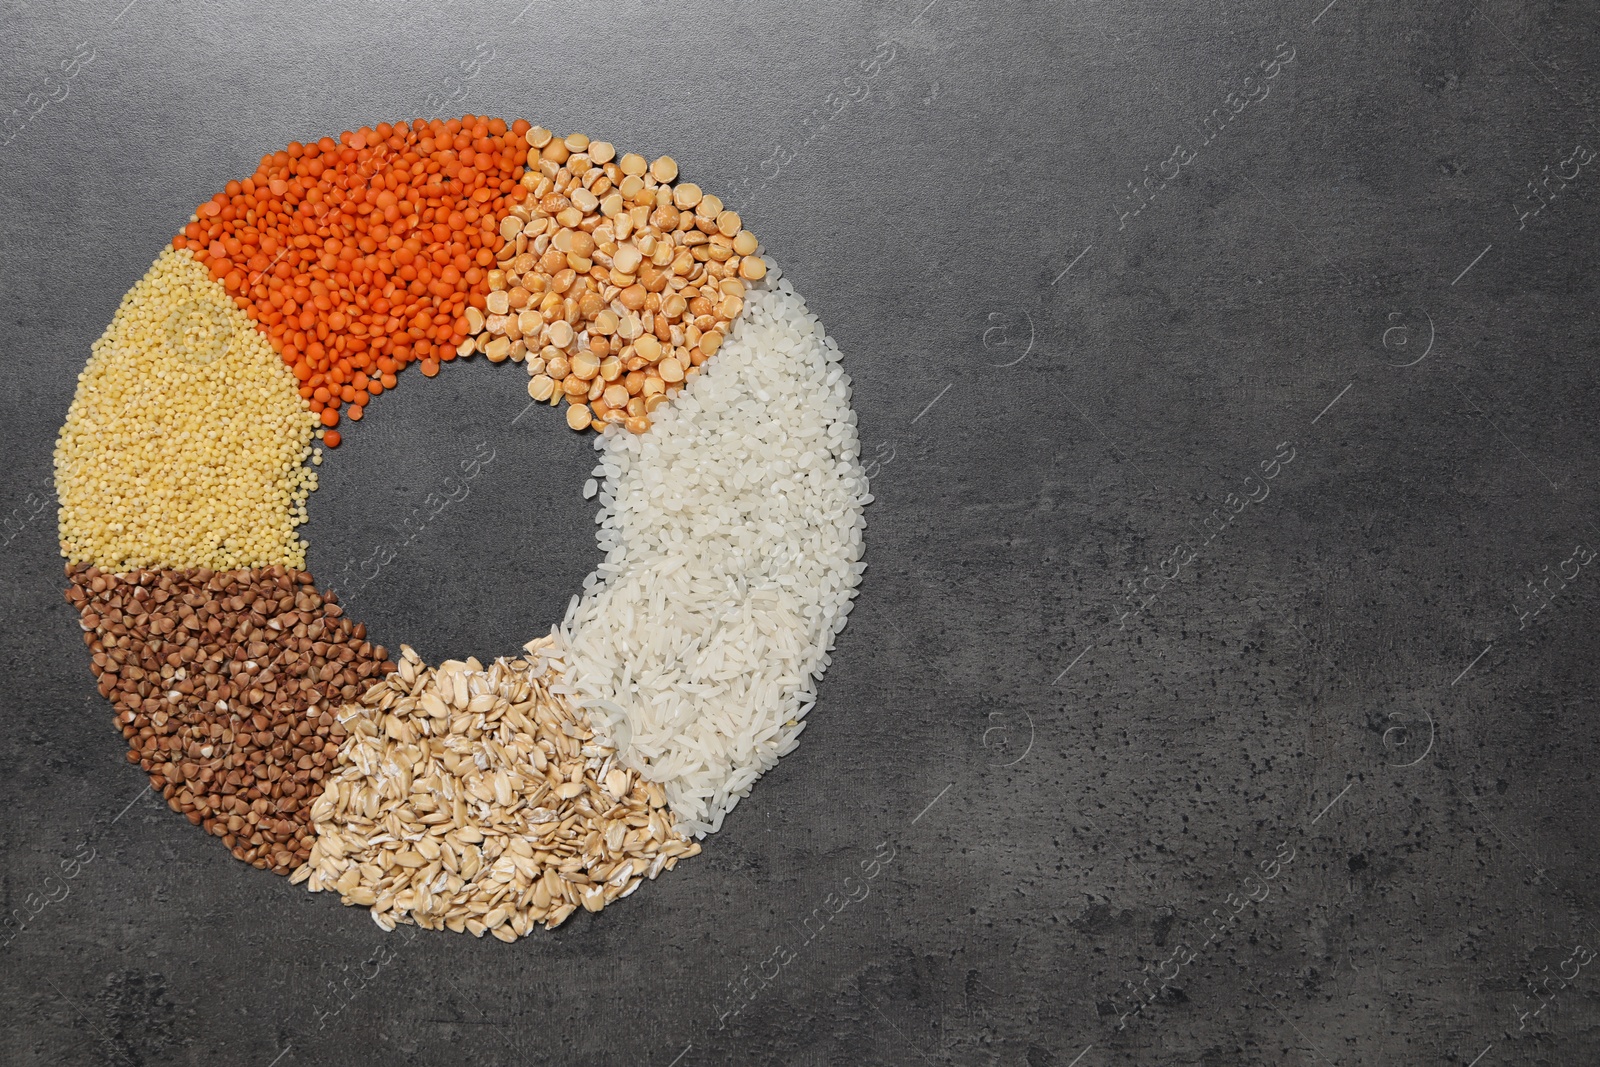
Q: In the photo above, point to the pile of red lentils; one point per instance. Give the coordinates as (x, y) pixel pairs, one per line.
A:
(359, 256)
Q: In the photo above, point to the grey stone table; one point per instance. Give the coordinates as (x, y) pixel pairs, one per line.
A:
(1222, 688)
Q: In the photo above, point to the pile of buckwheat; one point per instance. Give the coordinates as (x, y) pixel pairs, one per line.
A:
(223, 684)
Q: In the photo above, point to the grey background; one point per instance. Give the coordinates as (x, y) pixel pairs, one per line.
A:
(1341, 673)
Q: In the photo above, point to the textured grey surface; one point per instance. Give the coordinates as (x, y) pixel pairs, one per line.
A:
(1072, 792)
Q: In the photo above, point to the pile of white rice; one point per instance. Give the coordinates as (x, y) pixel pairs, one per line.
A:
(732, 532)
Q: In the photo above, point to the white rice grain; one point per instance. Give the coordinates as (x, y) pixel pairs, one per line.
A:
(732, 533)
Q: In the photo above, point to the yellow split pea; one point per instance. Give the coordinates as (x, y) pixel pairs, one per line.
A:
(185, 445)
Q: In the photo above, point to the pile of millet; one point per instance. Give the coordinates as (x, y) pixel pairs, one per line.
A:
(186, 441)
